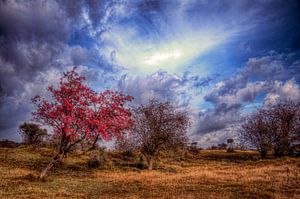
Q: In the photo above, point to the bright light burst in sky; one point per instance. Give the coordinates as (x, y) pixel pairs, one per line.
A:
(160, 58)
(142, 56)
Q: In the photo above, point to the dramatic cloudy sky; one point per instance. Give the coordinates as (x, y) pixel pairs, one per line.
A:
(218, 59)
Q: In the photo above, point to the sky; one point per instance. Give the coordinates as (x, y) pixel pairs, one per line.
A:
(219, 60)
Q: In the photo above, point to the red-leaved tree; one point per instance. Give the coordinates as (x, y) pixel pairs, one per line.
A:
(77, 113)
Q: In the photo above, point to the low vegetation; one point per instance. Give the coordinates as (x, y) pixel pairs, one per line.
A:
(207, 174)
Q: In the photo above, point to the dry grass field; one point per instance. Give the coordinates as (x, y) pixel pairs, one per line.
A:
(209, 174)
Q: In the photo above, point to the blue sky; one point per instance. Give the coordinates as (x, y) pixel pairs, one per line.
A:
(218, 59)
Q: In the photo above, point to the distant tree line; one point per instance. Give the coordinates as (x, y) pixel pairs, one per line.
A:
(223, 146)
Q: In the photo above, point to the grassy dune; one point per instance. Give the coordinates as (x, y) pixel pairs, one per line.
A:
(209, 174)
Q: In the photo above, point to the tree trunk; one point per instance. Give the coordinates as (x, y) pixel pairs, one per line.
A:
(54, 161)
(150, 163)
(263, 154)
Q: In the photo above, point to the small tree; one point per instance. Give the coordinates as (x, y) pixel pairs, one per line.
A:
(255, 131)
(159, 126)
(78, 114)
(276, 127)
(31, 133)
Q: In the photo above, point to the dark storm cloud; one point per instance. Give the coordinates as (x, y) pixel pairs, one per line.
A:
(32, 35)
(36, 45)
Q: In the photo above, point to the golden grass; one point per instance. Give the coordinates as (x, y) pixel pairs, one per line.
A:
(209, 174)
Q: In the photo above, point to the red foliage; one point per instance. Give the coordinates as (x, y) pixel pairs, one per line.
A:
(77, 113)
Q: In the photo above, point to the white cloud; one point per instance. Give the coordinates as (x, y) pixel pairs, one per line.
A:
(283, 91)
(160, 85)
(242, 95)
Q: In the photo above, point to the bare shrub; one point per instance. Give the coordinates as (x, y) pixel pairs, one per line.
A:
(159, 127)
(32, 134)
(276, 127)
(94, 162)
(255, 132)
